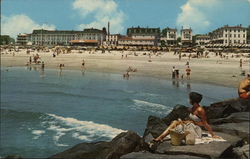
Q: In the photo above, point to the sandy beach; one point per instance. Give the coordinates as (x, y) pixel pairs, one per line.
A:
(214, 70)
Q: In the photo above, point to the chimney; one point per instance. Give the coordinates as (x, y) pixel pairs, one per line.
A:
(108, 29)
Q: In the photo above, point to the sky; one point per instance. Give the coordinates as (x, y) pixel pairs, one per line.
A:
(203, 16)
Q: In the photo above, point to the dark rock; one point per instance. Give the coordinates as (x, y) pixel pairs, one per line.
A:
(233, 118)
(211, 150)
(225, 108)
(155, 127)
(13, 157)
(241, 152)
(148, 155)
(238, 129)
(179, 111)
(123, 143)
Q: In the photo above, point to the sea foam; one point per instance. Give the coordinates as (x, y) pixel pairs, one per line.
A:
(152, 107)
(82, 130)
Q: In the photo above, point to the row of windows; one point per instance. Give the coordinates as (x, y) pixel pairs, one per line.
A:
(235, 35)
(235, 41)
(230, 30)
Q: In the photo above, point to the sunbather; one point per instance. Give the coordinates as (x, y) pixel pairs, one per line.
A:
(197, 116)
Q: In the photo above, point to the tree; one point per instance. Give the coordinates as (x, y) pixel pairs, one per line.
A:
(6, 40)
(163, 43)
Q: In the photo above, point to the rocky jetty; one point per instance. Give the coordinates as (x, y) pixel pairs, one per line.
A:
(229, 119)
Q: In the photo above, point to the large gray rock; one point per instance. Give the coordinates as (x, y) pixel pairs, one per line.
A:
(148, 155)
(238, 129)
(155, 126)
(211, 150)
(233, 118)
(179, 111)
(225, 108)
(241, 152)
(123, 143)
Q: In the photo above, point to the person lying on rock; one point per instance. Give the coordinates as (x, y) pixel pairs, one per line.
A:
(244, 88)
(197, 117)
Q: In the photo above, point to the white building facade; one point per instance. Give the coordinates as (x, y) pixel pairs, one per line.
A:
(186, 36)
(229, 35)
(169, 35)
(202, 39)
(23, 39)
(64, 37)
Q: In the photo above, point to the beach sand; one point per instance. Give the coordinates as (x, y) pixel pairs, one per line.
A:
(213, 70)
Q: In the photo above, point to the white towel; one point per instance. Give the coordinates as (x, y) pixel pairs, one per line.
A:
(207, 139)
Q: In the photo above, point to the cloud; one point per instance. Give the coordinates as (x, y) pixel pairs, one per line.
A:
(20, 23)
(102, 11)
(193, 14)
(248, 1)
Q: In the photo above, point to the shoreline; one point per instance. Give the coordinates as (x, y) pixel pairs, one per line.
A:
(213, 70)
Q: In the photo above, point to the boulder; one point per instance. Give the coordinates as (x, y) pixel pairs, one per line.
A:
(241, 152)
(233, 118)
(123, 143)
(211, 150)
(238, 129)
(179, 111)
(148, 155)
(13, 157)
(225, 108)
(155, 126)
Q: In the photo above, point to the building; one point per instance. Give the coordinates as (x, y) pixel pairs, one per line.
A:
(112, 39)
(23, 39)
(229, 35)
(129, 41)
(53, 37)
(141, 37)
(186, 36)
(92, 34)
(169, 35)
(202, 39)
(68, 37)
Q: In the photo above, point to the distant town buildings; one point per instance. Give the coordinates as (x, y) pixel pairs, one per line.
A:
(65, 37)
(23, 39)
(141, 37)
(202, 39)
(186, 36)
(136, 36)
(229, 35)
(169, 36)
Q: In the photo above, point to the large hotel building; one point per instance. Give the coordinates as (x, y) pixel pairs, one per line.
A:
(136, 36)
(229, 35)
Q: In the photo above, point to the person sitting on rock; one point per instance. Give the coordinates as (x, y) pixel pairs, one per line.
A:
(197, 117)
(244, 88)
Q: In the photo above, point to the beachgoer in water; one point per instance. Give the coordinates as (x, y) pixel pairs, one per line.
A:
(43, 65)
(177, 73)
(197, 116)
(30, 60)
(173, 72)
(188, 72)
(244, 88)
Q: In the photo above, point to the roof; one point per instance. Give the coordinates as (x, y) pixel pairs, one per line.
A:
(92, 30)
(139, 30)
(83, 41)
(42, 31)
(169, 29)
(129, 38)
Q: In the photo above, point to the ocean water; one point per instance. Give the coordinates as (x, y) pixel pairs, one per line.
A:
(45, 112)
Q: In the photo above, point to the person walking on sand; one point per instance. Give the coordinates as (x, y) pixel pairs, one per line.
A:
(179, 56)
(188, 72)
(240, 63)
